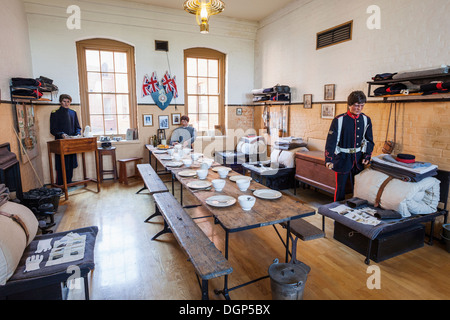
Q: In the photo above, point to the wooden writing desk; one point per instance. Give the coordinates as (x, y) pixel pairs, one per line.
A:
(65, 147)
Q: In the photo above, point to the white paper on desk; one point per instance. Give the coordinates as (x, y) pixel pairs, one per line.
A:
(342, 209)
(362, 217)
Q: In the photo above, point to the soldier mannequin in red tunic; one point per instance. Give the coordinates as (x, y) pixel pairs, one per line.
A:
(349, 143)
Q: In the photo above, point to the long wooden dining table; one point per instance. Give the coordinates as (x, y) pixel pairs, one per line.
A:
(233, 218)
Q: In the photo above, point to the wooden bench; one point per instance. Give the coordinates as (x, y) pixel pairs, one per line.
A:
(305, 231)
(123, 176)
(207, 260)
(152, 182)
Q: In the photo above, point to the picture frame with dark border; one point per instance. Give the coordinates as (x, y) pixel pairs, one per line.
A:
(148, 120)
(239, 111)
(176, 119)
(328, 110)
(163, 122)
(329, 91)
(307, 101)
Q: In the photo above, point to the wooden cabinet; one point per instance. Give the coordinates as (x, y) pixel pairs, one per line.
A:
(310, 169)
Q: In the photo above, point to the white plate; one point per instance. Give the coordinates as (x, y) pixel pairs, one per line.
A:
(267, 194)
(174, 164)
(199, 184)
(166, 158)
(220, 201)
(188, 173)
(236, 178)
(160, 151)
(216, 169)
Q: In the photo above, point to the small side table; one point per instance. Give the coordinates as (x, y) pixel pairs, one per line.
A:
(111, 152)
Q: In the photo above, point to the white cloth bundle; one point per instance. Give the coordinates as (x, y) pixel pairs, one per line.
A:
(404, 197)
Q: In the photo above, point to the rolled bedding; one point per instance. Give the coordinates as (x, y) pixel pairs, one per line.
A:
(407, 198)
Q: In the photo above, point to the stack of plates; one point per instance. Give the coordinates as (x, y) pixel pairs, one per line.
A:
(267, 194)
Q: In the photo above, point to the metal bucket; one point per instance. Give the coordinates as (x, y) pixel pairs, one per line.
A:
(287, 280)
(446, 236)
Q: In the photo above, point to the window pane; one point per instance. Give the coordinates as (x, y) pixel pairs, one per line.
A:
(94, 82)
(124, 123)
(121, 83)
(97, 126)
(109, 104)
(213, 68)
(110, 124)
(203, 104)
(213, 87)
(202, 122)
(213, 121)
(107, 61)
(192, 85)
(191, 67)
(95, 104)
(192, 104)
(214, 105)
(123, 104)
(120, 62)
(93, 60)
(202, 67)
(193, 119)
(202, 86)
(108, 82)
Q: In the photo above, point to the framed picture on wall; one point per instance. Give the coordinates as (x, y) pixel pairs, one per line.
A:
(164, 122)
(176, 119)
(307, 101)
(239, 111)
(148, 120)
(329, 91)
(328, 110)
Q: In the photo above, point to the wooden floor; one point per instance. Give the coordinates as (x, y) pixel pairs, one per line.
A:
(129, 266)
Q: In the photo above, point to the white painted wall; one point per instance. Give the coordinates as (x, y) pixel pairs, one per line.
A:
(414, 34)
(54, 53)
(15, 57)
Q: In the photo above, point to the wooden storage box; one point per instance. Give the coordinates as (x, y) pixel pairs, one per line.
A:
(386, 245)
(311, 169)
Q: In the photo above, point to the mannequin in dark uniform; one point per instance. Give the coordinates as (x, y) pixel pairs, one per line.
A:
(354, 150)
(63, 125)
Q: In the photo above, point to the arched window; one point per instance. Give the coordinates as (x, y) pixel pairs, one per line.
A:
(107, 86)
(205, 88)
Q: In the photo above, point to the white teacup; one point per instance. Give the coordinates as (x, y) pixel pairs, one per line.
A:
(170, 151)
(176, 156)
(202, 174)
(209, 162)
(195, 156)
(223, 173)
(247, 202)
(243, 184)
(187, 163)
(186, 151)
(218, 184)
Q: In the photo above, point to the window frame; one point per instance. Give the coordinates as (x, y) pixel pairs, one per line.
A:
(206, 53)
(105, 45)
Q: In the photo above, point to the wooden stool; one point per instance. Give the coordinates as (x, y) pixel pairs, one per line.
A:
(123, 177)
(111, 152)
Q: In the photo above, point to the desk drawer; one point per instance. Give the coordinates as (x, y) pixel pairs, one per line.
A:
(385, 246)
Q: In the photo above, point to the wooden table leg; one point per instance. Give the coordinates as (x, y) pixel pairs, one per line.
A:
(64, 177)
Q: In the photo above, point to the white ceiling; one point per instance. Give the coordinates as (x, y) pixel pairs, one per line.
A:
(254, 10)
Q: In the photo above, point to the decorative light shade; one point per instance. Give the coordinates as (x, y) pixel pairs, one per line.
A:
(203, 9)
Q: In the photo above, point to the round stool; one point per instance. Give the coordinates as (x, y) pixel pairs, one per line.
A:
(111, 152)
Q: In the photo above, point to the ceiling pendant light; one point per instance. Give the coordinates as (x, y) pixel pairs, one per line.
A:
(203, 9)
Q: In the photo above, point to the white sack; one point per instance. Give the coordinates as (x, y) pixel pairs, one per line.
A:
(404, 197)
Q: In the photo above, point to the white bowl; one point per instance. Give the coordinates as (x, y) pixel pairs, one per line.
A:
(186, 152)
(187, 162)
(243, 184)
(170, 151)
(247, 202)
(218, 184)
(202, 174)
(209, 162)
(195, 156)
(223, 173)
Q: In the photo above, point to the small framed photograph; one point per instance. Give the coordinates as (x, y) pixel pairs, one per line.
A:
(329, 91)
(239, 111)
(176, 119)
(148, 120)
(328, 110)
(307, 101)
(163, 122)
